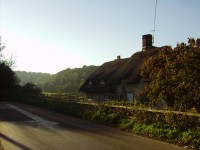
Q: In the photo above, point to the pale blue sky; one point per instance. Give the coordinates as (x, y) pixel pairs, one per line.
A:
(51, 35)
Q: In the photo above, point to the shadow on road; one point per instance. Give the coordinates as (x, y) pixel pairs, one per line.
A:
(17, 144)
(53, 129)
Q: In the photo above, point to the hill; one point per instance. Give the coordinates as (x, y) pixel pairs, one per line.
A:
(65, 81)
(68, 80)
(32, 77)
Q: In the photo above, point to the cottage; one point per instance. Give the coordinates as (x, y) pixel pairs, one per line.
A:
(119, 79)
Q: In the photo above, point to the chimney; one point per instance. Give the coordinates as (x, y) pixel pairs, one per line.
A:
(146, 41)
(118, 57)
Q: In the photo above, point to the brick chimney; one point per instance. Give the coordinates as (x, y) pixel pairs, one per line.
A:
(146, 41)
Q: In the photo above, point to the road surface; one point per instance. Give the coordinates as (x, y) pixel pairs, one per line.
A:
(27, 127)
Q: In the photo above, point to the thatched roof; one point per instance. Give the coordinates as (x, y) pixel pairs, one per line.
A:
(113, 73)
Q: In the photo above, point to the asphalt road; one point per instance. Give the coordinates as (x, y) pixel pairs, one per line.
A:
(27, 127)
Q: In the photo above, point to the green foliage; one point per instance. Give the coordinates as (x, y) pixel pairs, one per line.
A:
(8, 79)
(127, 124)
(172, 134)
(78, 97)
(117, 103)
(106, 115)
(67, 81)
(137, 128)
(178, 128)
(154, 131)
(30, 88)
(32, 77)
(181, 121)
(191, 137)
(175, 77)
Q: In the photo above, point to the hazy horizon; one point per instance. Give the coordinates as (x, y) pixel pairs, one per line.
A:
(55, 72)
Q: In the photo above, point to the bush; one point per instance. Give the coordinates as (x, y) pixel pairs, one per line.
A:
(174, 75)
(31, 89)
(106, 115)
(181, 121)
(8, 78)
(190, 137)
(172, 134)
(137, 128)
(127, 124)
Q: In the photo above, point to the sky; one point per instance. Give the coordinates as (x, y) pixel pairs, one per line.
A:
(52, 35)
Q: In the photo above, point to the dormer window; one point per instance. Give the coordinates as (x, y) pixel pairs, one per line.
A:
(90, 82)
(102, 82)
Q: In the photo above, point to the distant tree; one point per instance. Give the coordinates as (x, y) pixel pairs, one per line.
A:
(174, 77)
(36, 78)
(30, 88)
(68, 80)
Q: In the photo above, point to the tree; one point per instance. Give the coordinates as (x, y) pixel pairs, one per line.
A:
(175, 77)
(8, 61)
(31, 89)
(8, 79)
(2, 47)
(68, 80)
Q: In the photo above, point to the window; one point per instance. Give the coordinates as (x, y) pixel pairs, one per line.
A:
(102, 82)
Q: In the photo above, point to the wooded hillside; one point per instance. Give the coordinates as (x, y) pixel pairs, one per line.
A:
(68, 80)
(65, 81)
(32, 77)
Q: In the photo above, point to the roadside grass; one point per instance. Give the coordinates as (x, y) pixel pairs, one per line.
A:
(189, 137)
(179, 129)
(62, 96)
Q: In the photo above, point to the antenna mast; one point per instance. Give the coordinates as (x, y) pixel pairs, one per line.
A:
(154, 23)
